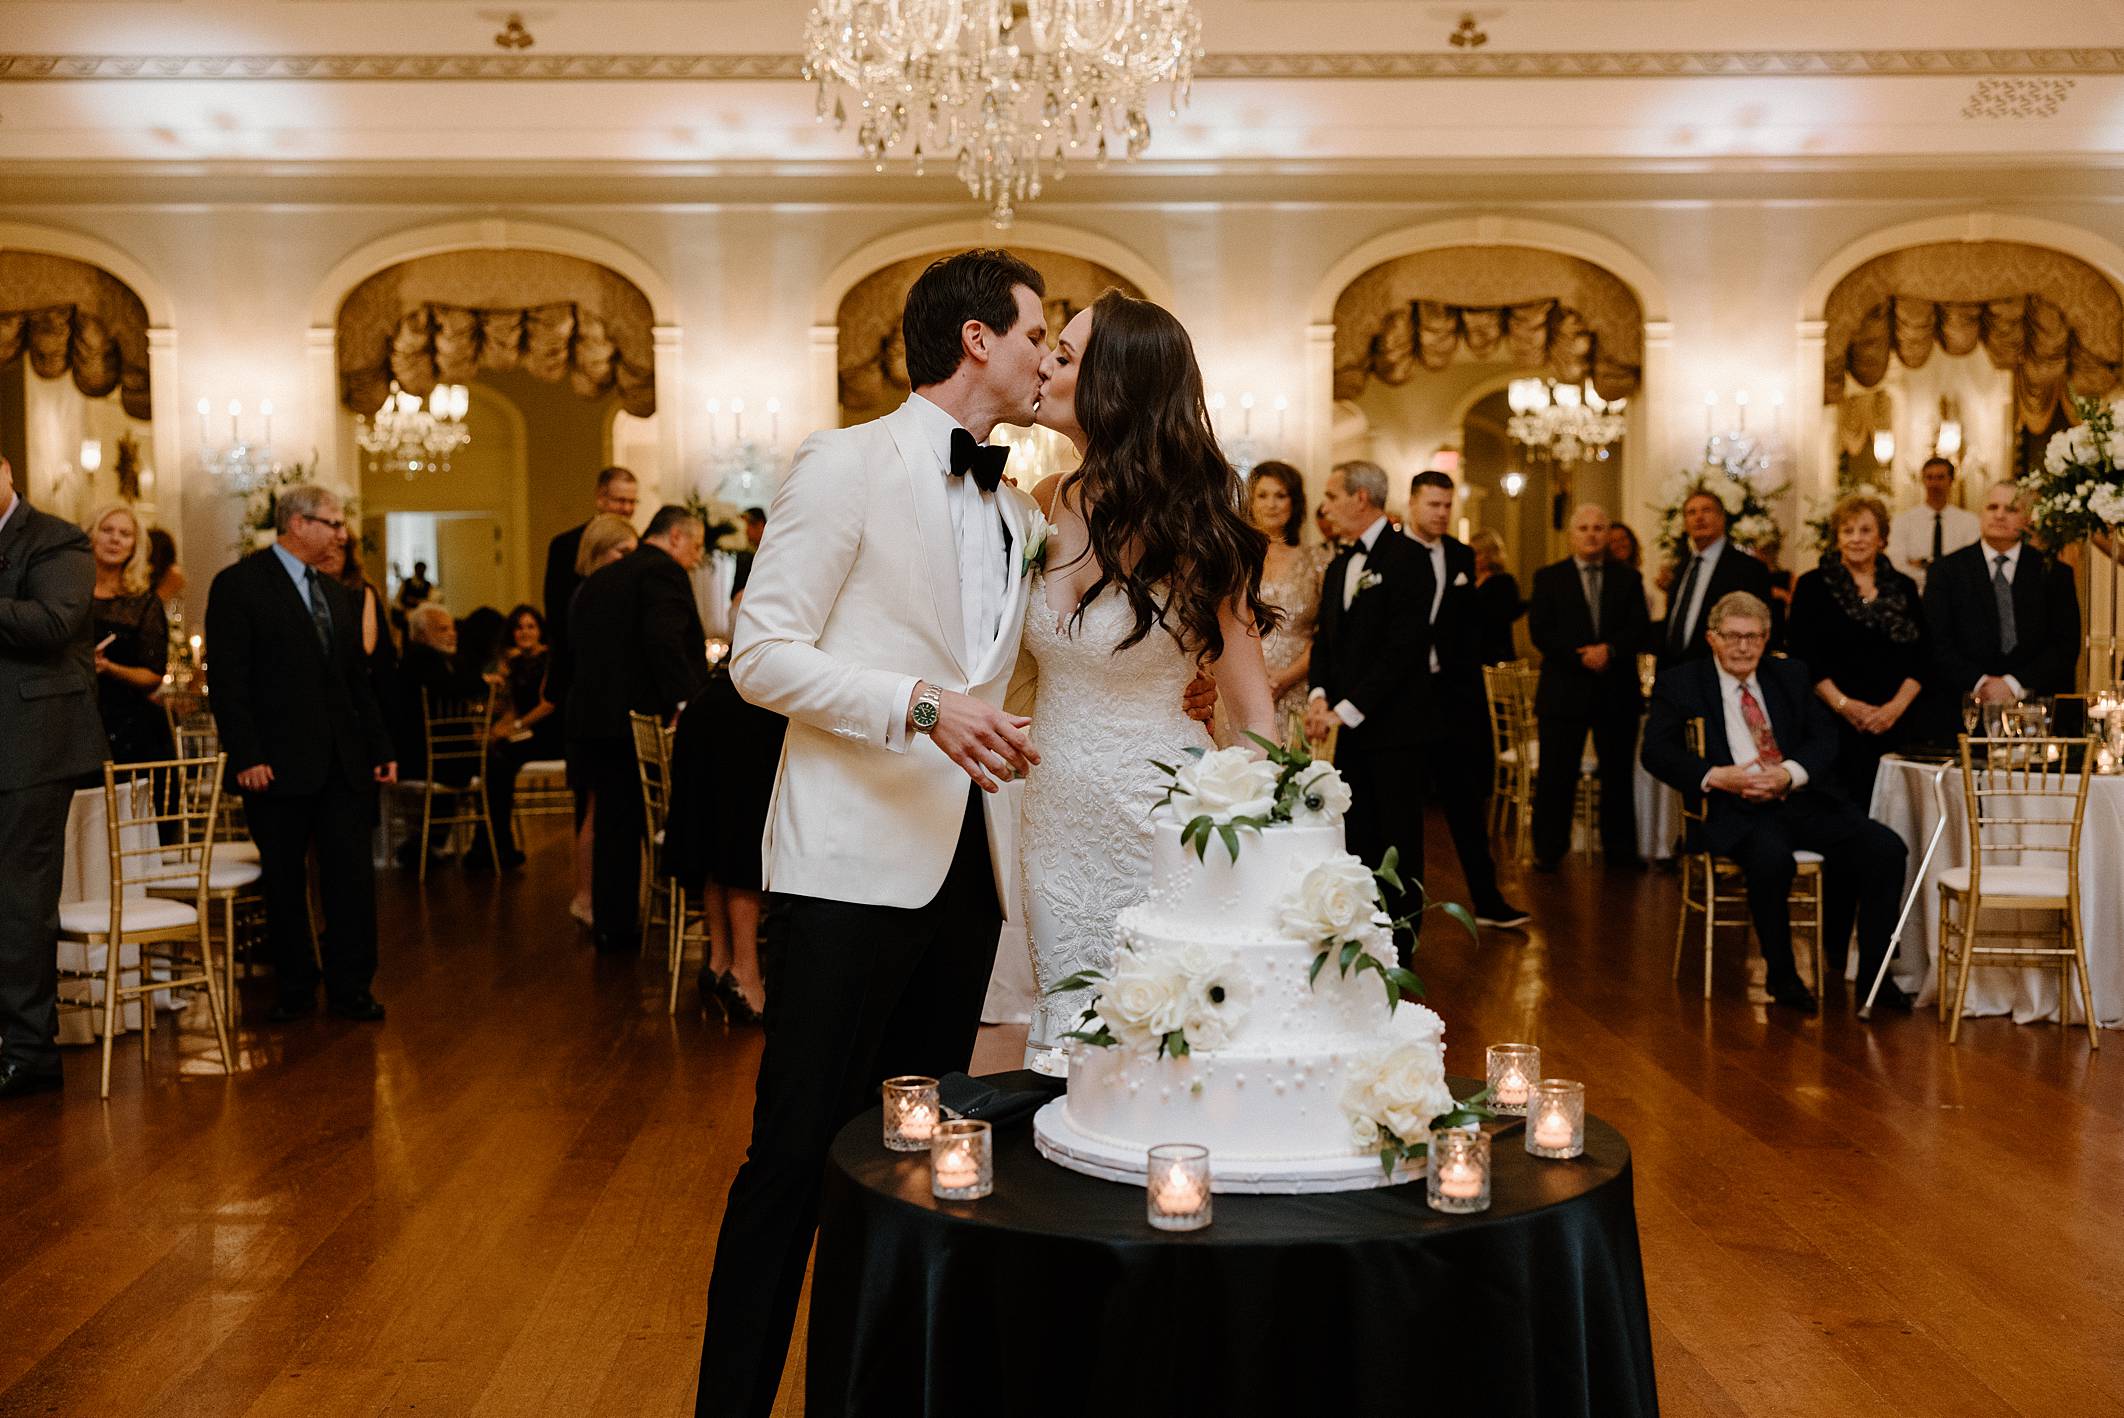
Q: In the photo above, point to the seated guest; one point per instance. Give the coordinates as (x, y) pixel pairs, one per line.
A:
(132, 641)
(430, 664)
(1934, 529)
(526, 727)
(1766, 780)
(2005, 618)
(1710, 569)
(1290, 581)
(1497, 602)
(1858, 627)
(1624, 548)
(1587, 617)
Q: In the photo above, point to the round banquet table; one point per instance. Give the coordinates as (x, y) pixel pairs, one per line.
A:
(1054, 1295)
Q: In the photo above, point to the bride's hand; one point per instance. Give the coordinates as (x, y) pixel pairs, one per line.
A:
(1199, 699)
(982, 739)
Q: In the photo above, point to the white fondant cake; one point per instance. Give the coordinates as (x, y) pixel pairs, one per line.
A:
(1270, 1052)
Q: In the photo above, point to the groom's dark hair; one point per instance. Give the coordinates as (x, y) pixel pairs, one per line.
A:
(973, 285)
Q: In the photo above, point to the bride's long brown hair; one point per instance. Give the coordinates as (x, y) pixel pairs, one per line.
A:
(1160, 502)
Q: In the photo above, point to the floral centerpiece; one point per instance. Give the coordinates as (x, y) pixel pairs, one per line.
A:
(2079, 490)
(1750, 524)
(1220, 792)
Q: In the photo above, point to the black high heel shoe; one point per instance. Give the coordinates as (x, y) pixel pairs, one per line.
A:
(735, 1006)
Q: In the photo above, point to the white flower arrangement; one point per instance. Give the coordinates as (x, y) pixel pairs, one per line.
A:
(1337, 907)
(1750, 524)
(1217, 793)
(2079, 490)
(1394, 1097)
(1034, 539)
(1173, 1001)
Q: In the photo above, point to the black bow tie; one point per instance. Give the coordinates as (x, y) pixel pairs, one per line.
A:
(984, 461)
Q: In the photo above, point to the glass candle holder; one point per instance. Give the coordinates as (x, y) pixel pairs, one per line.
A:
(962, 1160)
(1556, 1118)
(1177, 1187)
(911, 1112)
(1513, 1069)
(1457, 1175)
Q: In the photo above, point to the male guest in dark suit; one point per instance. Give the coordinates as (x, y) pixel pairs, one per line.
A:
(2005, 618)
(1711, 569)
(639, 648)
(1587, 617)
(616, 494)
(1371, 635)
(307, 746)
(52, 735)
(1768, 744)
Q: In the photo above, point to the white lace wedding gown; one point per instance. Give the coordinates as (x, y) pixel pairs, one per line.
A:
(1098, 720)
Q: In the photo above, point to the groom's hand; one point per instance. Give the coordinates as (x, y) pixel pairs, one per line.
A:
(988, 743)
(1199, 699)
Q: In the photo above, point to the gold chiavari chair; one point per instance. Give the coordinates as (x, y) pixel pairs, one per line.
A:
(158, 901)
(542, 791)
(235, 882)
(456, 733)
(1713, 885)
(666, 904)
(1500, 693)
(2021, 797)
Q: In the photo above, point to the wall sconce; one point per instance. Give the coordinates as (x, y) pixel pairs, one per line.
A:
(91, 455)
(1947, 443)
(1514, 483)
(1884, 447)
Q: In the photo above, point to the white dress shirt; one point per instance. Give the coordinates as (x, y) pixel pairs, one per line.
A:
(2012, 567)
(1910, 539)
(1349, 713)
(1436, 552)
(1708, 558)
(1739, 741)
(299, 572)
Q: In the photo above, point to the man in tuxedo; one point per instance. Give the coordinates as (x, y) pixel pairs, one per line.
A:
(617, 493)
(1372, 634)
(53, 736)
(2005, 618)
(1587, 616)
(639, 649)
(1712, 569)
(1764, 773)
(307, 746)
(1934, 530)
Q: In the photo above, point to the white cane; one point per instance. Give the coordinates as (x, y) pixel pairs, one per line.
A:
(1917, 887)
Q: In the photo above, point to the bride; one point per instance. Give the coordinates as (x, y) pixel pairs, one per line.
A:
(1149, 576)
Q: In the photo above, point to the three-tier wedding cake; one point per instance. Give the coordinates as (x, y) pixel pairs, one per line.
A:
(1253, 1006)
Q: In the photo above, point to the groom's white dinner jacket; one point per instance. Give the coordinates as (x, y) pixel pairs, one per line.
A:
(854, 595)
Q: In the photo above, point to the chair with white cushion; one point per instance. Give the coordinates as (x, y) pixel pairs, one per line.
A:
(542, 791)
(2024, 800)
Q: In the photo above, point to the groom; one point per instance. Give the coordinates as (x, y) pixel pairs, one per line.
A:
(882, 619)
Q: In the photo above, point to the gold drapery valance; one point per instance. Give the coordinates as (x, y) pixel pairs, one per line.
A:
(71, 318)
(873, 357)
(441, 319)
(1534, 309)
(2051, 319)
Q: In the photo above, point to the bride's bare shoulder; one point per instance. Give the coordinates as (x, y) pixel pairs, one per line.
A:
(1045, 492)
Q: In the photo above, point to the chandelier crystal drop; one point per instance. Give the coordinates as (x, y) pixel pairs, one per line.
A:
(1008, 91)
(1567, 423)
(408, 439)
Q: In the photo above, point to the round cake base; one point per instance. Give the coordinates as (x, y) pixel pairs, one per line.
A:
(1065, 1146)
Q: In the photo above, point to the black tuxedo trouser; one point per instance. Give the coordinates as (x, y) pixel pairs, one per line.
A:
(609, 771)
(1563, 738)
(1386, 810)
(336, 820)
(855, 994)
(1862, 876)
(33, 851)
(1461, 769)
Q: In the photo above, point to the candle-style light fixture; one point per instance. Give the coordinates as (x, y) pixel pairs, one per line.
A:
(243, 462)
(1732, 445)
(743, 470)
(405, 437)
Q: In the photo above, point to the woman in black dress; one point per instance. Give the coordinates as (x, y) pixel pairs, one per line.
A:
(526, 728)
(1497, 600)
(132, 641)
(1858, 626)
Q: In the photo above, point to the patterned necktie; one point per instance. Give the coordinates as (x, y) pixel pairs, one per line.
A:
(1591, 575)
(2002, 594)
(1767, 752)
(1678, 615)
(320, 613)
(1939, 534)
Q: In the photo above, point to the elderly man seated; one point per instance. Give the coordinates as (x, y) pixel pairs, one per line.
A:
(430, 663)
(1764, 775)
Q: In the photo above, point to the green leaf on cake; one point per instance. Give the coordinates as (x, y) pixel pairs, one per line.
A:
(1174, 1044)
(1083, 979)
(1351, 949)
(1390, 869)
(1318, 961)
(1406, 985)
(1458, 912)
(1230, 834)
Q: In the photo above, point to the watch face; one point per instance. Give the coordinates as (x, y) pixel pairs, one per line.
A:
(925, 714)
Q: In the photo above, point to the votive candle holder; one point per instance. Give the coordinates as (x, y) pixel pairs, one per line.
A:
(1513, 1069)
(962, 1160)
(1458, 1171)
(1177, 1186)
(1556, 1118)
(912, 1112)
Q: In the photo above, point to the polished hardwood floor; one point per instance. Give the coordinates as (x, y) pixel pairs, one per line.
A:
(504, 1199)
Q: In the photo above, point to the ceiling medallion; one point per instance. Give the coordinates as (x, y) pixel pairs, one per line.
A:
(1009, 91)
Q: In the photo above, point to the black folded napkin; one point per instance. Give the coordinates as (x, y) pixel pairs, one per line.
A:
(998, 1107)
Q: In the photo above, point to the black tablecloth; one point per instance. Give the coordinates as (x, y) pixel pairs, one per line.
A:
(1054, 1295)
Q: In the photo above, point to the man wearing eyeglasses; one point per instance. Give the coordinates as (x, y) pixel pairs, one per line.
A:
(1764, 778)
(307, 747)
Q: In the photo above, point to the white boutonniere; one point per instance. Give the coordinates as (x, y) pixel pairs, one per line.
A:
(1366, 580)
(1034, 542)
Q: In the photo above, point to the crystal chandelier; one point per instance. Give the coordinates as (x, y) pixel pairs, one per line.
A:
(1008, 90)
(409, 439)
(1567, 423)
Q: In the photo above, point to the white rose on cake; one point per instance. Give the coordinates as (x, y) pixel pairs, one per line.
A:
(1398, 1091)
(1218, 1000)
(1146, 999)
(1337, 899)
(1319, 795)
(1223, 784)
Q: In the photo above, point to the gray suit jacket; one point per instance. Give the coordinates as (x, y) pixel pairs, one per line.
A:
(49, 727)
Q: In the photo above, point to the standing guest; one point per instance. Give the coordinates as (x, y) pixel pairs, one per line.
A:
(607, 539)
(132, 641)
(526, 729)
(1497, 601)
(47, 704)
(1587, 618)
(307, 746)
(1859, 628)
(639, 647)
(343, 564)
(1765, 775)
(1458, 710)
(415, 588)
(164, 576)
(1333, 540)
(1934, 529)
(723, 762)
(1290, 581)
(616, 495)
(1711, 568)
(1623, 547)
(2005, 618)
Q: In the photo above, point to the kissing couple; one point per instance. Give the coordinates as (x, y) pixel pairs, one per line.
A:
(903, 595)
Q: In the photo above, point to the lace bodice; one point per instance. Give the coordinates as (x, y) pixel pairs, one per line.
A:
(1099, 718)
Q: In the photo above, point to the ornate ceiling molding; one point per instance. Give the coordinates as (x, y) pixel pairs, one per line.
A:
(1641, 64)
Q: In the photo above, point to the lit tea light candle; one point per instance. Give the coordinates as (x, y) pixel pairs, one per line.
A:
(1459, 1181)
(961, 1160)
(1177, 1186)
(1553, 1129)
(1512, 1069)
(1556, 1118)
(911, 1112)
(956, 1168)
(1458, 1171)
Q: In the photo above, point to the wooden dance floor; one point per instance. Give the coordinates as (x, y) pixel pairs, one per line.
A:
(504, 1199)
